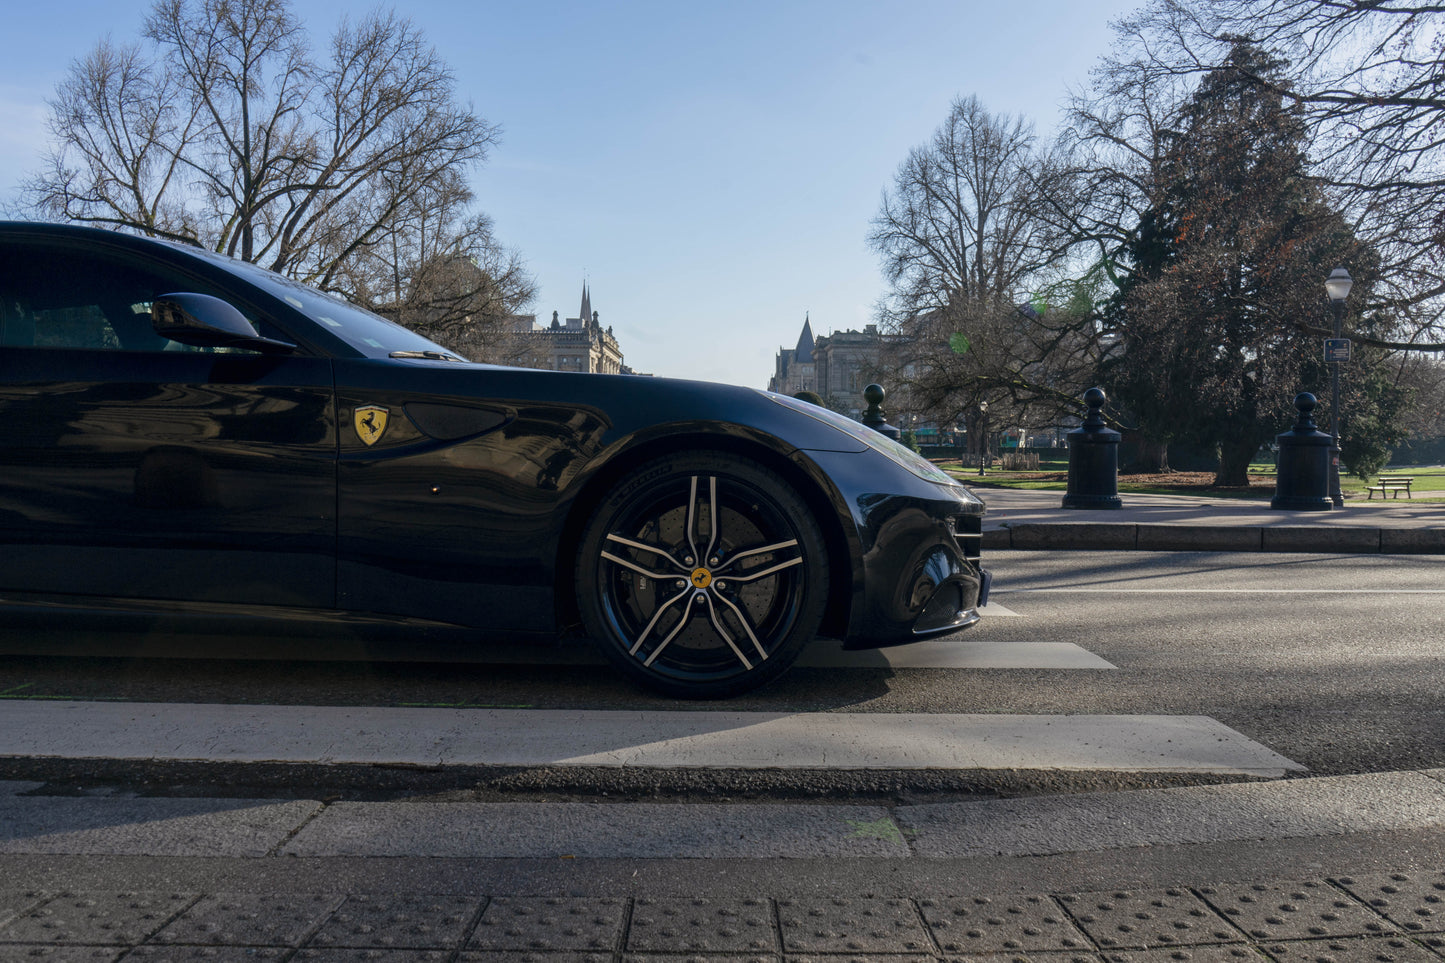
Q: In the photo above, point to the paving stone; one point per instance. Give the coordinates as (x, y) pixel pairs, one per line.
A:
(1398, 949)
(205, 954)
(985, 924)
(851, 926)
(536, 923)
(44, 953)
(1289, 911)
(702, 926)
(532, 956)
(15, 902)
(97, 918)
(866, 958)
(399, 921)
(707, 958)
(1413, 901)
(355, 954)
(1041, 956)
(1233, 953)
(1151, 918)
(249, 920)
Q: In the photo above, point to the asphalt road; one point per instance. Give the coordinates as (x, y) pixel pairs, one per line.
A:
(1334, 662)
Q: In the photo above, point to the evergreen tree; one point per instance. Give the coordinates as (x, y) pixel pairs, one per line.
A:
(1227, 263)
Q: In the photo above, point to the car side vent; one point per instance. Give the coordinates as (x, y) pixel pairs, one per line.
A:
(968, 529)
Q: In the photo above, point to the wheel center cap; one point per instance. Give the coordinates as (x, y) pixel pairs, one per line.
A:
(701, 578)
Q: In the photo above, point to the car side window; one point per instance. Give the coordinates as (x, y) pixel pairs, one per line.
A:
(59, 298)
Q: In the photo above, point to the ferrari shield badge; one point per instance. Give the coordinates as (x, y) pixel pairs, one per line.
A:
(370, 423)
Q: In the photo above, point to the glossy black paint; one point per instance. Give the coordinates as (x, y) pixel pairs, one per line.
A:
(230, 485)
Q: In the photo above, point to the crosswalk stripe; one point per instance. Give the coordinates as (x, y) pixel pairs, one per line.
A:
(964, 652)
(611, 738)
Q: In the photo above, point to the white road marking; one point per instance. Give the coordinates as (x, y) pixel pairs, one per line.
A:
(964, 652)
(1219, 591)
(993, 608)
(648, 739)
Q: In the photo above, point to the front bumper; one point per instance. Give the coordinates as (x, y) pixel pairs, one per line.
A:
(917, 570)
(922, 575)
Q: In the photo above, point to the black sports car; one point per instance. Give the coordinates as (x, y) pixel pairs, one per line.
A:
(190, 438)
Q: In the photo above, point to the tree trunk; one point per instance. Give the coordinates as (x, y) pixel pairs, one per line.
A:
(1234, 458)
(1153, 456)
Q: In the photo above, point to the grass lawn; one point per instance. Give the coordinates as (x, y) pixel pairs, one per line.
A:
(1429, 479)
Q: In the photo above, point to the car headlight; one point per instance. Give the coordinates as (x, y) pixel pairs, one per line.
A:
(902, 457)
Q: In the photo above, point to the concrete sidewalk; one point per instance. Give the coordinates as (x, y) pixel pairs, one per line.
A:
(1192, 523)
(1351, 873)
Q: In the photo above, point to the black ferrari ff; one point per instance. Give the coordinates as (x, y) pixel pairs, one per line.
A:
(186, 439)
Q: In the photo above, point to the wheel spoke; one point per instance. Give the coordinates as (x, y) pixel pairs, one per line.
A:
(653, 623)
(712, 519)
(700, 557)
(775, 547)
(742, 620)
(764, 573)
(619, 560)
(643, 547)
(681, 624)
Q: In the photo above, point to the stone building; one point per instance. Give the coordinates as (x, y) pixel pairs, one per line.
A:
(793, 368)
(836, 366)
(577, 344)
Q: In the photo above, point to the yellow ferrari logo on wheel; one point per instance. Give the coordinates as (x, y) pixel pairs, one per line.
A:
(701, 578)
(370, 423)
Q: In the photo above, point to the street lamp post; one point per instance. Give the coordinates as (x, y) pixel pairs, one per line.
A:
(1338, 287)
(983, 442)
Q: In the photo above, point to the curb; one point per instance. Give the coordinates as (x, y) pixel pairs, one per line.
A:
(1143, 537)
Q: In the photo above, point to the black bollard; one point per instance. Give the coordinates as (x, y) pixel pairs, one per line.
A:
(1093, 459)
(873, 417)
(1302, 483)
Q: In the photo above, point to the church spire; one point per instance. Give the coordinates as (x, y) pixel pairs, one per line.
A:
(803, 353)
(586, 312)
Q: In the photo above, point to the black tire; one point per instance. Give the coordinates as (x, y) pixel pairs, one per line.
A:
(735, 616)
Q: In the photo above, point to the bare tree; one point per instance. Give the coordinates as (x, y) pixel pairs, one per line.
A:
(975, 227)
(226, 130)
(1368, 79)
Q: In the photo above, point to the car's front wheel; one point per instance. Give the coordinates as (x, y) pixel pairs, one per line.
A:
(702, 575)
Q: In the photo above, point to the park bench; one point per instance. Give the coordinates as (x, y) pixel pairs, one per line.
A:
(1392, 483)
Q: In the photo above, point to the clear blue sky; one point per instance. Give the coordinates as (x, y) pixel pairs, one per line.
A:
(709, 168)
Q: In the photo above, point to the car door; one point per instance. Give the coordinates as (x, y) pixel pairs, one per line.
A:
(132, 466)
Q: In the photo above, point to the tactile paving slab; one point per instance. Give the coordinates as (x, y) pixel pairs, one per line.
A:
(249, 920)
(1397, 949)
(986, 924)
(1413, 901)
(706, 958)
(537, 923)
(354, 954)
(851, 926)
(13, 903)
(532, 956)
(1154, 918)
(702, 926)
(45, 953)
(111, 919)
(206, 954)
(1233, 953)
(399, 921)
(1295, 911)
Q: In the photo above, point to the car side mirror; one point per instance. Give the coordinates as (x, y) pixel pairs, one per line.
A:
(207, 322)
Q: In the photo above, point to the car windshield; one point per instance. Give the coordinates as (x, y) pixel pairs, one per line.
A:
(371, 334)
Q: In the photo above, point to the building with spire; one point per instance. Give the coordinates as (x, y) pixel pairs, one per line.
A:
(794, 369)
(576, 344)
(836, 366)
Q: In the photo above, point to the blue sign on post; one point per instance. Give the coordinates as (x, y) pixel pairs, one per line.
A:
(1337, 349)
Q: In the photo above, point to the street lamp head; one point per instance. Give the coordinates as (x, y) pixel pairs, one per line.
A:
(983, 407)
(1338, 284)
